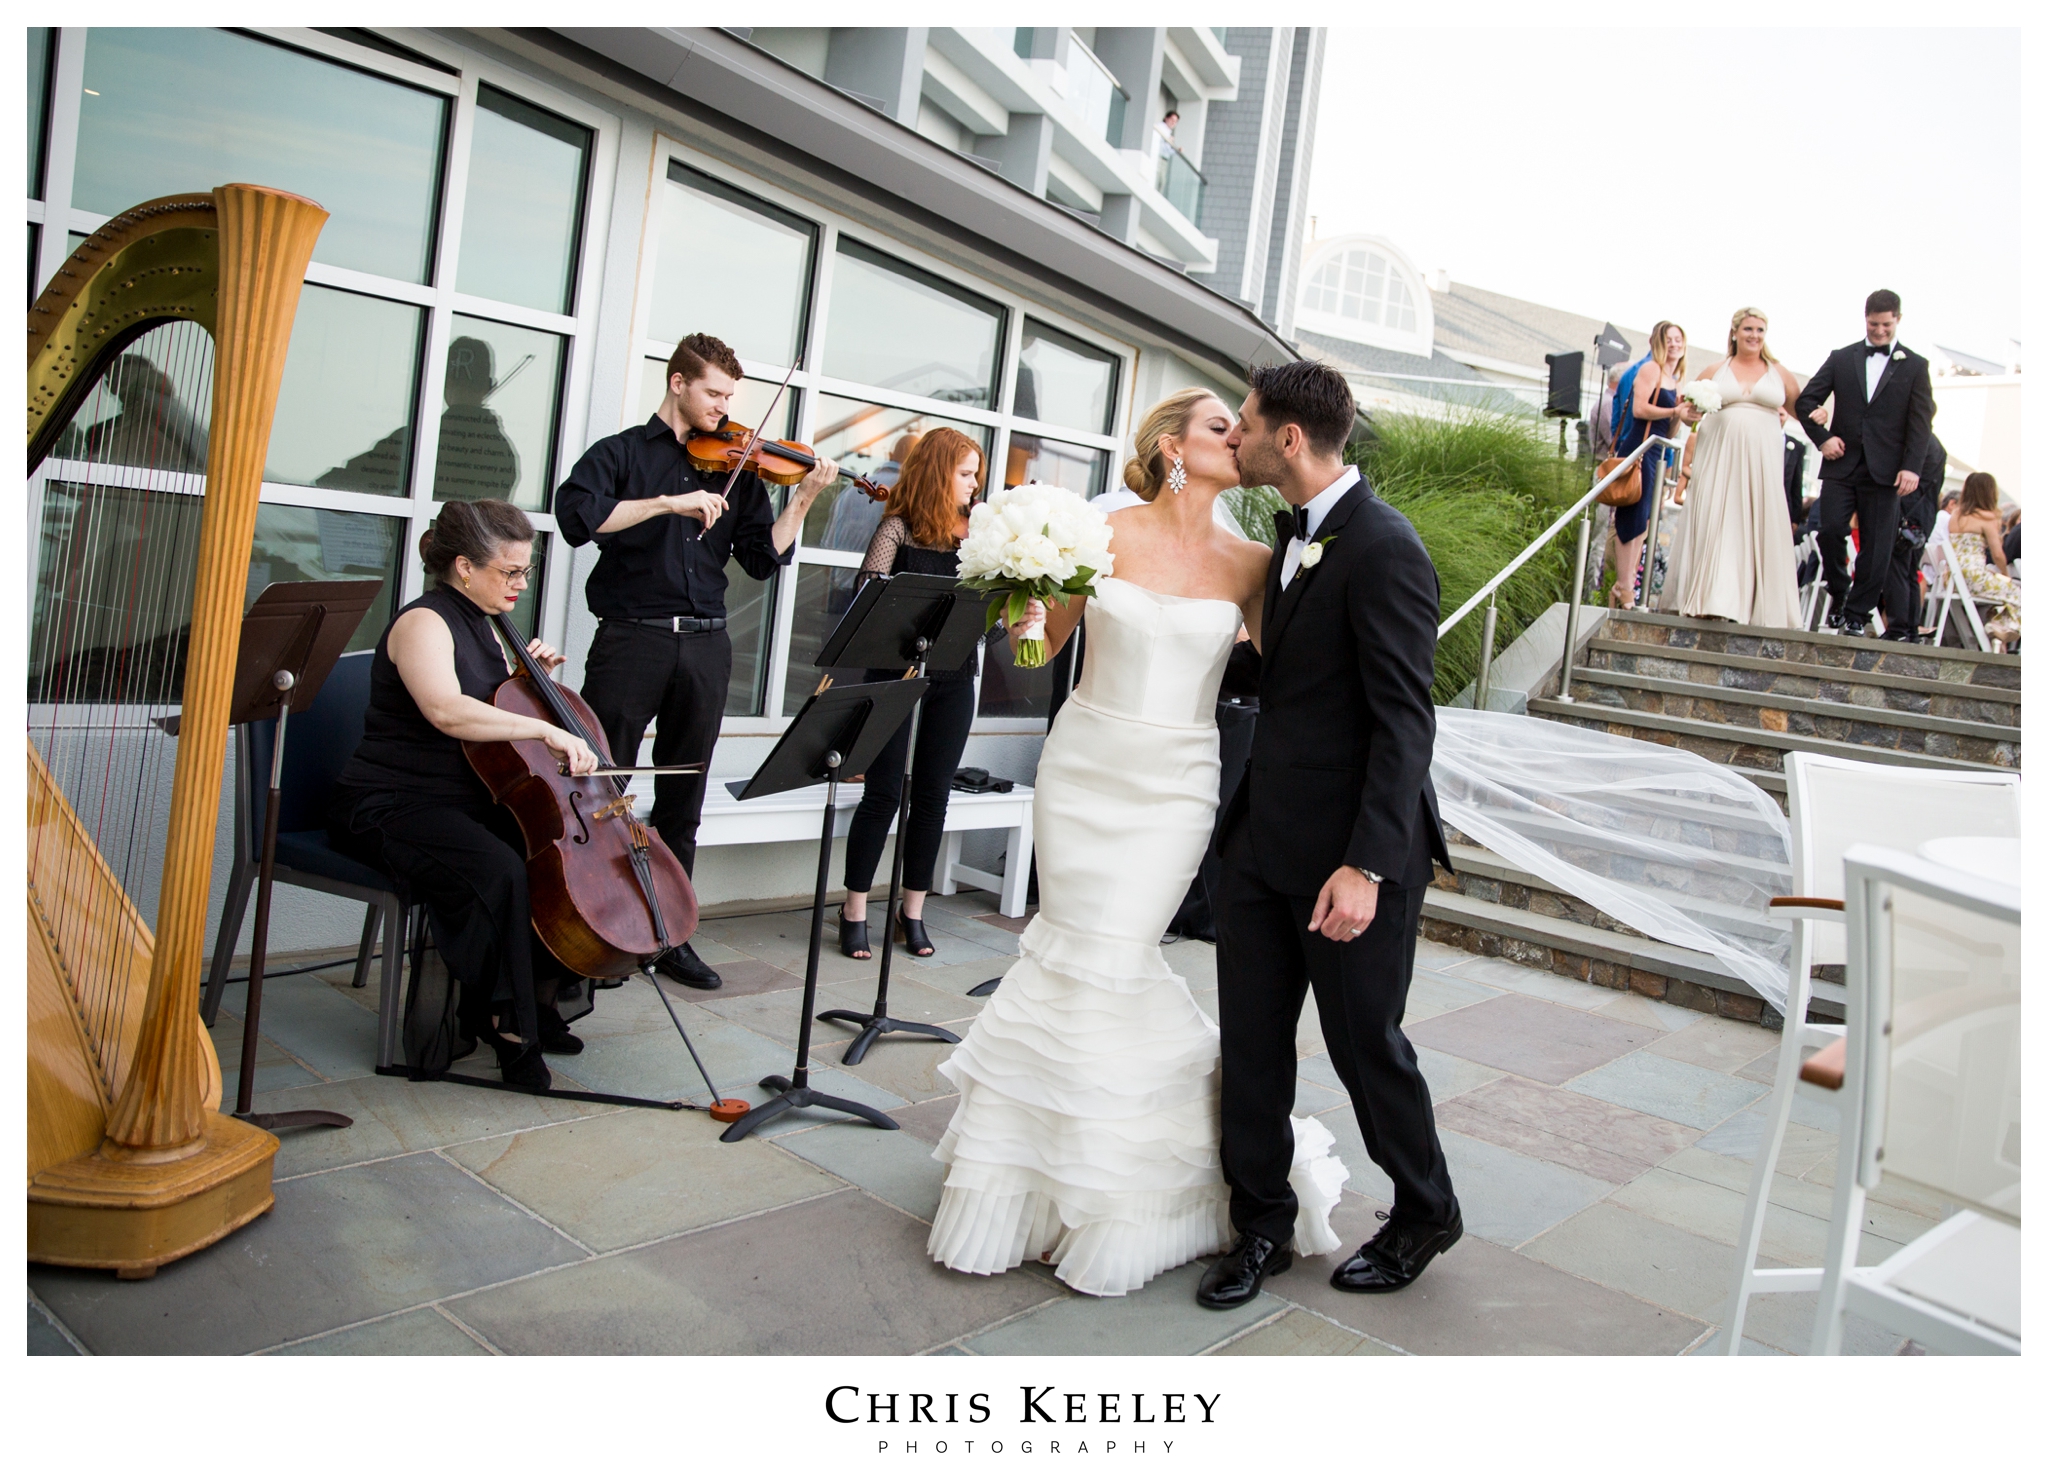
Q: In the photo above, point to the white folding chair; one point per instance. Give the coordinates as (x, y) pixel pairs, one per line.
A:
(1932, 1102)
(1950, 587)
(1813, 595)
(1834, 805)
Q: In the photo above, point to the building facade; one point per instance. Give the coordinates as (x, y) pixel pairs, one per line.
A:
(914, 227)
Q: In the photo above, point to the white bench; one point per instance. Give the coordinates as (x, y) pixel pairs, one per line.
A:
(793, 816)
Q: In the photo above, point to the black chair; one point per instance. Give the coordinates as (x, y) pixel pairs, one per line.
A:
(322, 739)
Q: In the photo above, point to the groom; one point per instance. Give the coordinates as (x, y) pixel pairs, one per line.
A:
(1327, 843)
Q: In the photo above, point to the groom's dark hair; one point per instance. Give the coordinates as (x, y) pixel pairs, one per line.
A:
(1884, 300)
(1312, 396)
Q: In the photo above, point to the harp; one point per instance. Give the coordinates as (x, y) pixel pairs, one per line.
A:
(140, 588)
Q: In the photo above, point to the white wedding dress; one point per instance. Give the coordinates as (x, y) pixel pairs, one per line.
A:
(1088, 1123)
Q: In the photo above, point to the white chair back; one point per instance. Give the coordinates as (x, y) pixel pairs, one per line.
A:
(1836, 804)
(1939, 1030)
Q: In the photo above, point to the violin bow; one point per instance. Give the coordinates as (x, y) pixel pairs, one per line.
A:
(754, 441)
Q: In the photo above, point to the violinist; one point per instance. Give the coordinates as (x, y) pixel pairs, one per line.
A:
(664, 534)
(409, 802)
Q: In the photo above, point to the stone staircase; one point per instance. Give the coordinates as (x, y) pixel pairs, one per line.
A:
(1745, 697)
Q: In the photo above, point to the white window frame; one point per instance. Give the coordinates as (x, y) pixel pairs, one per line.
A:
(813, 382)
(439, 296)
(1417, 341)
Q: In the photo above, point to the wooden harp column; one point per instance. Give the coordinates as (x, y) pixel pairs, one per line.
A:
(168, 1175)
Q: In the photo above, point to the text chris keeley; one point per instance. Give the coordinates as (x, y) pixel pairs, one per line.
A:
(849, 1404)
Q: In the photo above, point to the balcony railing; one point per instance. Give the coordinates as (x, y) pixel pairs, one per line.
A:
(1181, 183)
(1095, 93)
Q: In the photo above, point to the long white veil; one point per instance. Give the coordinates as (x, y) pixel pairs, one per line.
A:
(1669, 843)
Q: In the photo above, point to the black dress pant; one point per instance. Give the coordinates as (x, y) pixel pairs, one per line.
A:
(1266, 962)
(1902, 580)
(1876, 508)
(676, 680)
(941, 737)
(467, 865)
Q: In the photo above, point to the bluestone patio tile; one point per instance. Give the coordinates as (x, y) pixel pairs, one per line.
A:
(1890, 1213)
(332, 1031)
(897, 1168)
(416, 1333)
(839, 1276)
(927, 1120)
(1641, 1256)
(1159, 1319)
(1532, 1038)
(1669, 1089)
(1713, 1211)
(1431, 993)
(1741, 1136)
(338, 1248)
(617, 1180)
(1717, 1043)
(1504, 1196)
(1300, 1333)
(1573, 1130)
(1647, 1012)
(44, 1339)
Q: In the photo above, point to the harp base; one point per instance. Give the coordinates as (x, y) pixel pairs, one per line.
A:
(93, 1212)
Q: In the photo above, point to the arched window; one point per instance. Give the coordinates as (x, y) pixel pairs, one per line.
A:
(1363, 285)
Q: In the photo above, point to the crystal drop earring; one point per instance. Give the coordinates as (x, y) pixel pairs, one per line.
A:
(1177, 476)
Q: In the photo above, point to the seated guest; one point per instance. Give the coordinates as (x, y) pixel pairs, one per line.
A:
(921, 532)
(410, 803)
(1978, 536)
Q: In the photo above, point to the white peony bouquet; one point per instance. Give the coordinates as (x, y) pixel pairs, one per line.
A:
(1704, 395)
(1034, 541)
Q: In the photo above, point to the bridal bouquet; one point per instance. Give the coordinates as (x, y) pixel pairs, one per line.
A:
(1703, 394)
(1030, 542)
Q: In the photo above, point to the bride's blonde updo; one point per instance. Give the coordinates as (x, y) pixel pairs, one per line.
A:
(1145, 474)
(1736, 323)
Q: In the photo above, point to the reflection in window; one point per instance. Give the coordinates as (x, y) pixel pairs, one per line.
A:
(731, 266)
(1010, 692)
(1362, 284)
(501, 389)
(183, 109)
(1085, 470)
(151, 408)
(295, 544)
(1064, 381)
(811, 624)
(39, 50)
(895, 326)
(525, 613)
(345, 410)
(750, 623)
(749, 402)
(523, 210)
(869, 441)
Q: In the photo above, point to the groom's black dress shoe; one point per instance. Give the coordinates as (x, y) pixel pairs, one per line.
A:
(1397, 1254)
(1236, 1277)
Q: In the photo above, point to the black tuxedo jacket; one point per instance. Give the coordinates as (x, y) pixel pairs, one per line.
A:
(1880, 434)
(1339, 770)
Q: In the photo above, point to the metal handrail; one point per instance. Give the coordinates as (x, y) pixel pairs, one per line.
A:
(1579, 511)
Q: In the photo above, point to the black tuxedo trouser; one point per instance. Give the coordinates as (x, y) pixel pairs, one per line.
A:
(1876, 507)
(677, 681)
(1266, 962)
(1902, 581)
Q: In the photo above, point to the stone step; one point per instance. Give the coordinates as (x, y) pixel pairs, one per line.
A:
(1820, 649)
(1874, 689)
(1483, 874)
(1797, 718)
(1744, 747)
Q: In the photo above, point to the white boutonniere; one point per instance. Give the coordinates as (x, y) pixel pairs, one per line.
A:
(1898, 354)
(1312, 553)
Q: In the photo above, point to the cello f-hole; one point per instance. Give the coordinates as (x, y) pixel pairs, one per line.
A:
(576, 806)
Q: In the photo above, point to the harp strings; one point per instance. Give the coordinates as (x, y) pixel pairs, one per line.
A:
(114, 594)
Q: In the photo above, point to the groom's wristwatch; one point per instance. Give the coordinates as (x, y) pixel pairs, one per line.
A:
(1370, 876)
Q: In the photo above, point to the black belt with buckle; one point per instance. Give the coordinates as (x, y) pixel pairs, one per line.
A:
(674, 624)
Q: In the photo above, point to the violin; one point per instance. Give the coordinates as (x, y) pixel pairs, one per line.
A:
(779, 462)
(606, 893)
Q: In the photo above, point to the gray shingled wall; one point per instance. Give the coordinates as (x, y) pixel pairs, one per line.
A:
(1232, 144)
(1290, 202)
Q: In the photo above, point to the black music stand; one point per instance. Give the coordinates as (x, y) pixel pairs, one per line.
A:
(838, 730)
(910, 621)
(290, 639)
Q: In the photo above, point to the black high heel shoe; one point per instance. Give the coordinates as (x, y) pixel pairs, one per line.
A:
(555, 1036)
(521, 1063)
(853, 938)
(911, 933)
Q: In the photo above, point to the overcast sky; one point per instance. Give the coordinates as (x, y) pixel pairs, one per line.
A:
(1805, 169)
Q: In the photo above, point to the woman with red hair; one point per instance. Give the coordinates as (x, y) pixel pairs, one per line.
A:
(920, 532)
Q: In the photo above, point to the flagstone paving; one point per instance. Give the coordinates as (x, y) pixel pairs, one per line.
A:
(1601, 1146)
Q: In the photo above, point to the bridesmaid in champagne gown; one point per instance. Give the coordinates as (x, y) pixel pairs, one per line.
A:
(1736, 558)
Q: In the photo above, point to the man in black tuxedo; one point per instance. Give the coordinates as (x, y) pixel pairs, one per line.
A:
(1327, 843)
(1871, 458)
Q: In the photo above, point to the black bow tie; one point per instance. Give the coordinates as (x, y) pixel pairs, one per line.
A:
(1291, 524)
(1877, 349)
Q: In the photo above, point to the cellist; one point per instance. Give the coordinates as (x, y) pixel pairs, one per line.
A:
(409, 801)
(664, 535)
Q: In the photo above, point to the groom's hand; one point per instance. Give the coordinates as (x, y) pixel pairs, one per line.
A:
(1346, 906)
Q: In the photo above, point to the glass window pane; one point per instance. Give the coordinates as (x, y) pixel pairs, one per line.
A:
(1010, 692)
(750, 623)
(870, 441)
(152, 408)
(345, 411)
(732, 267)
(38, 104)
(523, 210)
(823, 593)
(1085, 470)
(175, 110)
(1064, 381)
(329, 545)
(525, 613)
(500, 392)
(749, 402)
(907, 331)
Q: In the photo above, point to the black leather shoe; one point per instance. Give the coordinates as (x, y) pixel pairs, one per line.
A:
(1236, 1277)
(555, 1036)
(1855, 627)
(1395, 1256)
(682, 964)
(1835, 616)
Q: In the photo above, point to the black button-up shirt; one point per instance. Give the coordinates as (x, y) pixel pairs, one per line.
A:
(670, 565)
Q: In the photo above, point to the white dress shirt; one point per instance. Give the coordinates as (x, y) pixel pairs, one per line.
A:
(1317, 509)
(1873, 367)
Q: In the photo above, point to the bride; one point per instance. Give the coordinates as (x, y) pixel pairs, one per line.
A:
(1087, 1129)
